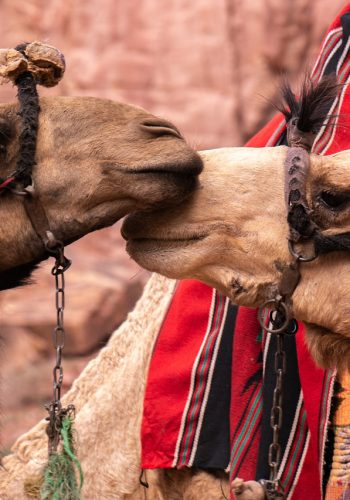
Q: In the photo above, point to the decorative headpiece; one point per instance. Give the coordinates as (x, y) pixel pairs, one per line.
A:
(44, 62)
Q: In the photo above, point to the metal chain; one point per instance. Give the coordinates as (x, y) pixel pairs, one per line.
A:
(56, 412)
(272, 487)
(280, 326)
(276, 410)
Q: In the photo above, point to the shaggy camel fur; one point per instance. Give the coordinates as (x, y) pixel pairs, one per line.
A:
(233, 235)
(109, 398)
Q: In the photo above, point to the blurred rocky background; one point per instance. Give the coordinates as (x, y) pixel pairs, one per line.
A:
(213, 68)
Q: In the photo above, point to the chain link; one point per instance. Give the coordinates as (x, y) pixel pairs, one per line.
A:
(55, 410)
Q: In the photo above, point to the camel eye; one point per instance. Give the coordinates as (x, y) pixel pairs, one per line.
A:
(334, 200)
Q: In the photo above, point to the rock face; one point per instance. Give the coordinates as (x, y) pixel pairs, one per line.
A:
(210, 67)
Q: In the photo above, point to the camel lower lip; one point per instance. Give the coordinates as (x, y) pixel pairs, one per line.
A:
(154, 244)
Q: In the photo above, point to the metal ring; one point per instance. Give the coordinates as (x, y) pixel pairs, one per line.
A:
(285, 311)
(297, 256)
(60, 267)
(52, 244)
(18, 193)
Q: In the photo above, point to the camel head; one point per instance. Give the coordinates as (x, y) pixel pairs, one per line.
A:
(95, 161)
(233, 235)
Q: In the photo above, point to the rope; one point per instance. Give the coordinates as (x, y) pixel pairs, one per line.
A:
(60, 482)
(67, 438)
(29, 112)
(28, 65)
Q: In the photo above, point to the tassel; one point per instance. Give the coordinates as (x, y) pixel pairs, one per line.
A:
(60, 482)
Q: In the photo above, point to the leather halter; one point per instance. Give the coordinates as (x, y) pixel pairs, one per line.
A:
(301, 226)
(21, 183)
(37, 215)
(296, 170)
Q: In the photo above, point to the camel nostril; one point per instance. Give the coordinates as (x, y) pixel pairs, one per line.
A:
(160, 128)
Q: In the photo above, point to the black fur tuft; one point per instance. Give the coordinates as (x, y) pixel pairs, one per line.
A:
(18, 276)
(313, 106)
(290, 105)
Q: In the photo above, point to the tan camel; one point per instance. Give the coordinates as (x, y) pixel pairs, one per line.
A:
(233, 235)
(96, 161)
(218, 236)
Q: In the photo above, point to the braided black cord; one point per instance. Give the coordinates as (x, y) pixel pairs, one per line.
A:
(29, 112)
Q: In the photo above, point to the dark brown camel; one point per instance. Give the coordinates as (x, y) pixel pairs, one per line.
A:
(95, 161)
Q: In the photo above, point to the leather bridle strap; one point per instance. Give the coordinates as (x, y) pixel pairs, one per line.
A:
(21, 183)
(301, 227)
(297, 164)
(37, 216)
